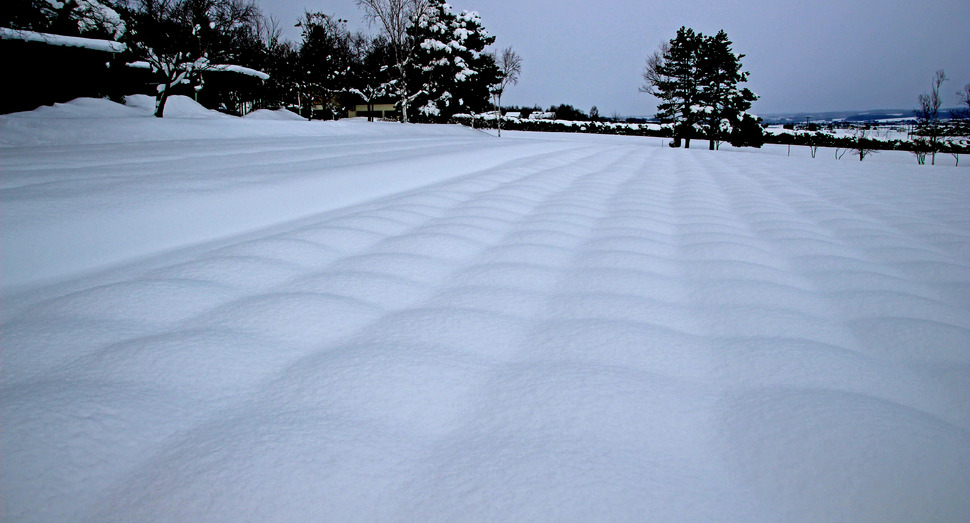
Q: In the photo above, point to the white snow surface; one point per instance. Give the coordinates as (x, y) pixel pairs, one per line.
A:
(232, 319)
(275, 114)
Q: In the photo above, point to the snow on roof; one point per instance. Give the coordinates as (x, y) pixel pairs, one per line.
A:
(107, 46)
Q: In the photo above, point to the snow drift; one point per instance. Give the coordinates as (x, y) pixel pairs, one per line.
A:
(229, 319)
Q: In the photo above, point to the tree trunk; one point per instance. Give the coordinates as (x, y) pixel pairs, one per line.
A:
(499, 109)
(404, 95)
(710, 147)
(687, 142)
(160, 100)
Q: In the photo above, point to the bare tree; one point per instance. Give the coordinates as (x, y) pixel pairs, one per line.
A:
(928, 115)
(510, 67)
(963, 98)
(813, 143)
(269, 30)
(920, 149)
(652, 75)
(863, 143)
(393, 18)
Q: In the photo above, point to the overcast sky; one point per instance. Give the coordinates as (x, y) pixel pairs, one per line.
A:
(804, 55)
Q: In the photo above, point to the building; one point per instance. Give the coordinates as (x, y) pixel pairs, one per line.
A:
(383, 111)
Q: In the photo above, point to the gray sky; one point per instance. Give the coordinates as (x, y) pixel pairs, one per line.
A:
(804, 55)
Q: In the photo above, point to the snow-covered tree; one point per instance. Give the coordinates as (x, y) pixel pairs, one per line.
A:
(450, 72)
(722, 104)
(325, 61)
(178, 40)
(673, 78)
(394, 18)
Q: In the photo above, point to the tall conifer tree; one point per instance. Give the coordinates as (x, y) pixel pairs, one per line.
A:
(696, 78)
(677, 85)
(722, 102)
(451, 72)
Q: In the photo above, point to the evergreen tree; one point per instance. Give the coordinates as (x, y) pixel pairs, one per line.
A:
(281, 60)
(677, 85)
(722, 103)
(325, 63)
(372, 71)
(696, 79)
(569, 113)
(748, 132)
(450, 71)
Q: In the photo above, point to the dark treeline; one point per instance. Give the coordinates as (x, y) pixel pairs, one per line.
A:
(226, 54)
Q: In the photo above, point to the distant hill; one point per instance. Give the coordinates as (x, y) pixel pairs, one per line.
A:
(848, 116)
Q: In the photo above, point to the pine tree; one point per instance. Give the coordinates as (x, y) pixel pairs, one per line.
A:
(371, 76)
(676, 84)
(722, 103)
(325, 59)
(696, 78)
(450, 71)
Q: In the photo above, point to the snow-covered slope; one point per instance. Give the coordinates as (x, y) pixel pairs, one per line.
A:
(360, 322)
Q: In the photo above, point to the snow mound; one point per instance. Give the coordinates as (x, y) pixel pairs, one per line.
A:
(89, 108)
(88, 121)
(278, 115)
(178, 106)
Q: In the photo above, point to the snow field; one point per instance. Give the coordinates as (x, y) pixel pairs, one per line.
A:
(533, 328)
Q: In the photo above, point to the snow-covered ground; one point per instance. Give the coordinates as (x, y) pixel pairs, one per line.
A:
(208, 318)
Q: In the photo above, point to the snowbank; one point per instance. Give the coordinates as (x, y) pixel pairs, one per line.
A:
(108, 123)
(278, 114)
(175, 107)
